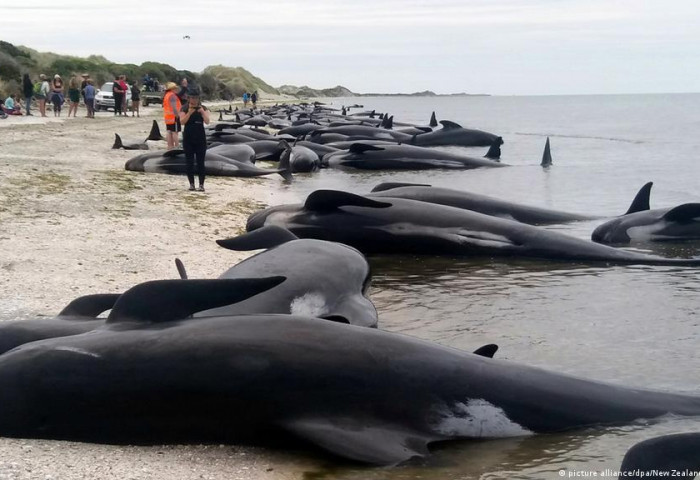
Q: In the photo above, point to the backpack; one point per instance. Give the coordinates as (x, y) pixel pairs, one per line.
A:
(37, 88)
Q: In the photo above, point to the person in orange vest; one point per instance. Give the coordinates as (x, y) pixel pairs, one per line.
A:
(171, 114)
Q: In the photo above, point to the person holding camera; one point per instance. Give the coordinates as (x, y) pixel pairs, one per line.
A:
(193, 116)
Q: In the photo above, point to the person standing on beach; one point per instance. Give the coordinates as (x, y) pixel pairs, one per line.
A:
(125, 87)
(193, 115)
(182, 93)
(28, 90)
(254, 98)
(73, 96)
(42, 94)
(118, 95)
(135, 99)
(89, 94)
(57, 97)
(85, 77)
(171, 109)
(245, 99)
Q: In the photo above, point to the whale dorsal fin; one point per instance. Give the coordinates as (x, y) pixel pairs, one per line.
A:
(494, 152)
(448, 125)
(487, 350)
(327, 200)
(382, 187)
(685, 213)
(90, 306)
(155, 132)
(546, 155)
(117, 142)
(433, 121)
(265, 237)
(169, 300)
(363, 147)
(381, 444)
(641, 200)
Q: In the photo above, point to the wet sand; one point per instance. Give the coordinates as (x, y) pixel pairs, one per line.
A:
(74, 222)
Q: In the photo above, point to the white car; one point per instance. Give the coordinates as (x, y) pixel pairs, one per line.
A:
(105, 100)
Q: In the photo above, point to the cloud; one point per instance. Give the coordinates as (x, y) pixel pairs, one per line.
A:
(496, 46)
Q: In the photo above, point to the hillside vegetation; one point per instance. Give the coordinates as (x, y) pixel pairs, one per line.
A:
(216, 82)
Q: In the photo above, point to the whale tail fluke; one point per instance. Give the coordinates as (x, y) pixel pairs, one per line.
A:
(494, 152)
(155, 132)
(221, 115)
(546, 156)
(117, 142)
(641, 200)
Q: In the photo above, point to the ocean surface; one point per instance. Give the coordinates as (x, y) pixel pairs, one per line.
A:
(636, 326)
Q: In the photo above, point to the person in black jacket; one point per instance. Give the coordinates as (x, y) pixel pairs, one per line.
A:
(193, 117)
(118, 95)
(28, 90)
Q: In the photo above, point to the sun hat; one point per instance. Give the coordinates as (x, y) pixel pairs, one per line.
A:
(170, 85)
(42, 76)
(85, 75)
(57, 76)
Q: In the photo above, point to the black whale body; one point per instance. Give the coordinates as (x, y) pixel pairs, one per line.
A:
(400, 226)
(252, 378)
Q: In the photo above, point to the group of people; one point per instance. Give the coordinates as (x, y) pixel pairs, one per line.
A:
(182, 106)
(247, 97)
(120, 88)
(54, 92)
(51, 92)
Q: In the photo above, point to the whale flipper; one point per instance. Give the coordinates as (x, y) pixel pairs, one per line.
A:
(285, 166)
(363, 147)
(90, 306)
(117, 142)
(378, 445)
(382, 187)
(546, 155)
(155, 132)
(181, 270)
(433, 121)
(327, 200)
(265, 237)
(641, 200)
(487, 350)
(685, 213)
(169, 300)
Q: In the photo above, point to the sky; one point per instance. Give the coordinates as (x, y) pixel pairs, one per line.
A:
(499, 47)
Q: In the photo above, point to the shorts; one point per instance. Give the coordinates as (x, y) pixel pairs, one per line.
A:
(174, 127)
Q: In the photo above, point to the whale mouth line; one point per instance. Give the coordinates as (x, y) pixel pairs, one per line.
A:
(336, 318)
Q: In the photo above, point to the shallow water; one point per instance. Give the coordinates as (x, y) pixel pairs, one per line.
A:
(633, 325)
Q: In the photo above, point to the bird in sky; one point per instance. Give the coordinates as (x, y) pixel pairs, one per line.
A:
(186, 37)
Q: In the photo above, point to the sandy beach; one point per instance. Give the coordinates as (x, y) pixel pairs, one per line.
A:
(74, 222)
